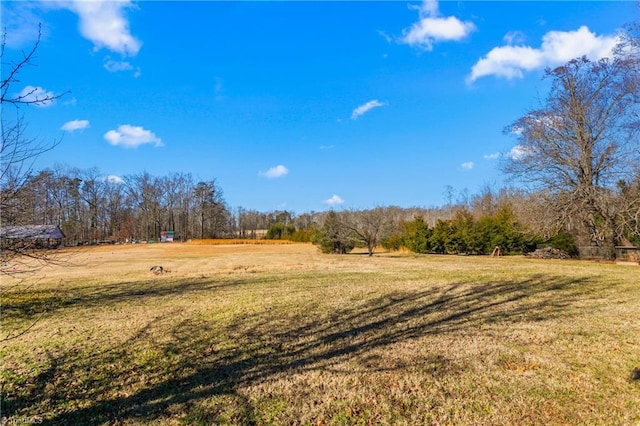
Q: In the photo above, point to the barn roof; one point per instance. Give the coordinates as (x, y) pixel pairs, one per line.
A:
(26, 232)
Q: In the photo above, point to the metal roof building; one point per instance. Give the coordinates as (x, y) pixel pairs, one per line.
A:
(31, 232)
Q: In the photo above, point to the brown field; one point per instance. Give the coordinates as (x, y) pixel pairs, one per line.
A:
(281, 334)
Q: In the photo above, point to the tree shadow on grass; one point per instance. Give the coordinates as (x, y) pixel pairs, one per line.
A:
(202, 361)
(24, 304)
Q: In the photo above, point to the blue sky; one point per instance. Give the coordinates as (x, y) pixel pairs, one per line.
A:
(298, 105)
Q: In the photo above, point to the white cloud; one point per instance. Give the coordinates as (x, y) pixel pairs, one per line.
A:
(116, 66)
(429, 30)
(557, 48)
(432, 28)
(517, 153)
(492, 156)
(275, 172)
(112, 65)
(428, 8)
(74, 125)
(131, 137)
(514, 37)
(335, 200)
(36, 96)
(104, 24)
(468, 165)
(20, 23)
(70, 101)
(363, 109)
(114, 179)
(385, 36)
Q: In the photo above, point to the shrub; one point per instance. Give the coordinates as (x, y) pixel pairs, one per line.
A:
(393, 242)
(333, 237)
(279, 231)
(416, 235)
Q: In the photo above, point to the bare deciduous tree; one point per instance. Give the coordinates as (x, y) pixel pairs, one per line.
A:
(213, 212)
(17, 150)
(368, 226)
(582, 140)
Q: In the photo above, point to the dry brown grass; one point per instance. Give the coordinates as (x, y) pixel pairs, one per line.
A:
(242, 241)
(281, 334)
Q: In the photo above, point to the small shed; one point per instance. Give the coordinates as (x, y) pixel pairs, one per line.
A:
(31, 236)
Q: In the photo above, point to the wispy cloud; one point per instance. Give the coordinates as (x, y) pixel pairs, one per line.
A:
(514, 37)
(468, 165)
(112, 65)
(512, 61)
(275, 172)
(517, 153)
(385, 36)
(131, 136)
(20, 23)
(37, 96)
(433, 28)
(73, 125)
(105, 25)
(116, 66)
(364, 108)
(334, 200)
(492, 156)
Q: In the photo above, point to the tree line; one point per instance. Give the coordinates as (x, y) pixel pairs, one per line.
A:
(93, 208)
(514, 220)
(458, 229)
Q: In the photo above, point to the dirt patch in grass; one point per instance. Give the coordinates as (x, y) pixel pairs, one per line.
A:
(285, 335)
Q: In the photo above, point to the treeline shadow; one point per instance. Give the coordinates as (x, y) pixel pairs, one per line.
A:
(265, 346)
(26, 302)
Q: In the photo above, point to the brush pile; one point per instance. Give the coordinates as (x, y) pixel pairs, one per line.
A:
(549, 253)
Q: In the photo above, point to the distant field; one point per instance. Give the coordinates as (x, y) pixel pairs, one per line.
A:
(281, 334)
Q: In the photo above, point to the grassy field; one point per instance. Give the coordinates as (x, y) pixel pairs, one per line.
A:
(281, 334)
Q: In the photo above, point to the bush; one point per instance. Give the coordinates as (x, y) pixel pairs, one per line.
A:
(333, 237)
(279, 231)
(301, 236)
(463, 234)
(393, 242)
(330, 245)
(440, 236)
(416, 235)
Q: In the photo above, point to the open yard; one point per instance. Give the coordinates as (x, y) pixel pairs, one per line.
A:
(281, 334)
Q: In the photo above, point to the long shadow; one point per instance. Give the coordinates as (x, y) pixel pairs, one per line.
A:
(264, 348)
(24, 304)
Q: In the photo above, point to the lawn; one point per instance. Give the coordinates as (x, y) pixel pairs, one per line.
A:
(281, 334)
